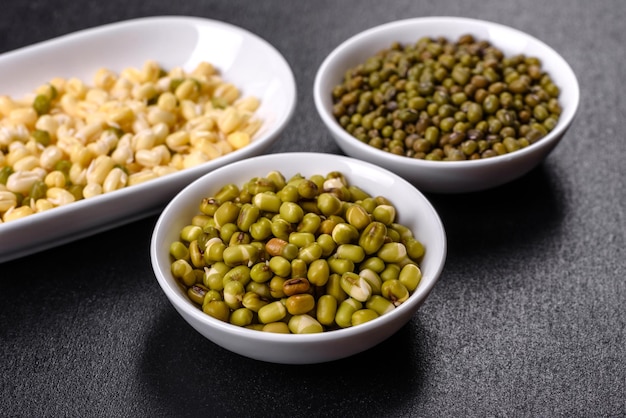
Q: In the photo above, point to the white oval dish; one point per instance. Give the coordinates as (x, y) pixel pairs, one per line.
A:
(414, 211)
(242, 58)
(446, 176)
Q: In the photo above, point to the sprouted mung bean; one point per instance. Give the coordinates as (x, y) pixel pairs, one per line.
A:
(69, 140)
(440, 100)
(298, 255)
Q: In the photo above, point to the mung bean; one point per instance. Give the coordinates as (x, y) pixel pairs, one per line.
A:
(125, 129)
(424, 95)
(258, 257)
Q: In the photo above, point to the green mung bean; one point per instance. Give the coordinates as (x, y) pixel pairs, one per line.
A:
(299, 255)
(406, 97)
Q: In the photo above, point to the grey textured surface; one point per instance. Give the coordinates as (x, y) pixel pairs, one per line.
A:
(527, 320)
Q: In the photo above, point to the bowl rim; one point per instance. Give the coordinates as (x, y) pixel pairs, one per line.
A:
(180, 303)
(343, 137)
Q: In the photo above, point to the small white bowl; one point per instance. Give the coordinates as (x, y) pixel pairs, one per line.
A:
(242, 58)
(446, 176)
(413, 210)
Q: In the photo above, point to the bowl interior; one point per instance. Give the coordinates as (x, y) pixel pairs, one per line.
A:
(512, 41)
(413, 208)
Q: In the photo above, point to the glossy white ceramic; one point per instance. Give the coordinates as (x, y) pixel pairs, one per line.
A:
(457, 176)
(242, 58)
(413, 210)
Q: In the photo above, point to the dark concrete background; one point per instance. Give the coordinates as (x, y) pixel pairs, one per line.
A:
(527, 319)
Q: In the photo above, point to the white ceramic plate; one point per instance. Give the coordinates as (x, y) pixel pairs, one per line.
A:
(242, 58)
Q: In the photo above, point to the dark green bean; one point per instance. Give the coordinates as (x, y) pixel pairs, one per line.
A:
(406, 98)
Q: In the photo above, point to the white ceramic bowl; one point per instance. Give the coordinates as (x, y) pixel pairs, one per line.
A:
(414, 211)
(457, 176)
(242, 58)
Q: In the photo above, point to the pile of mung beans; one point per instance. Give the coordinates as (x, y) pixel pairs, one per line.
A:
(444, 100)
(69, 140)
(298, 255)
